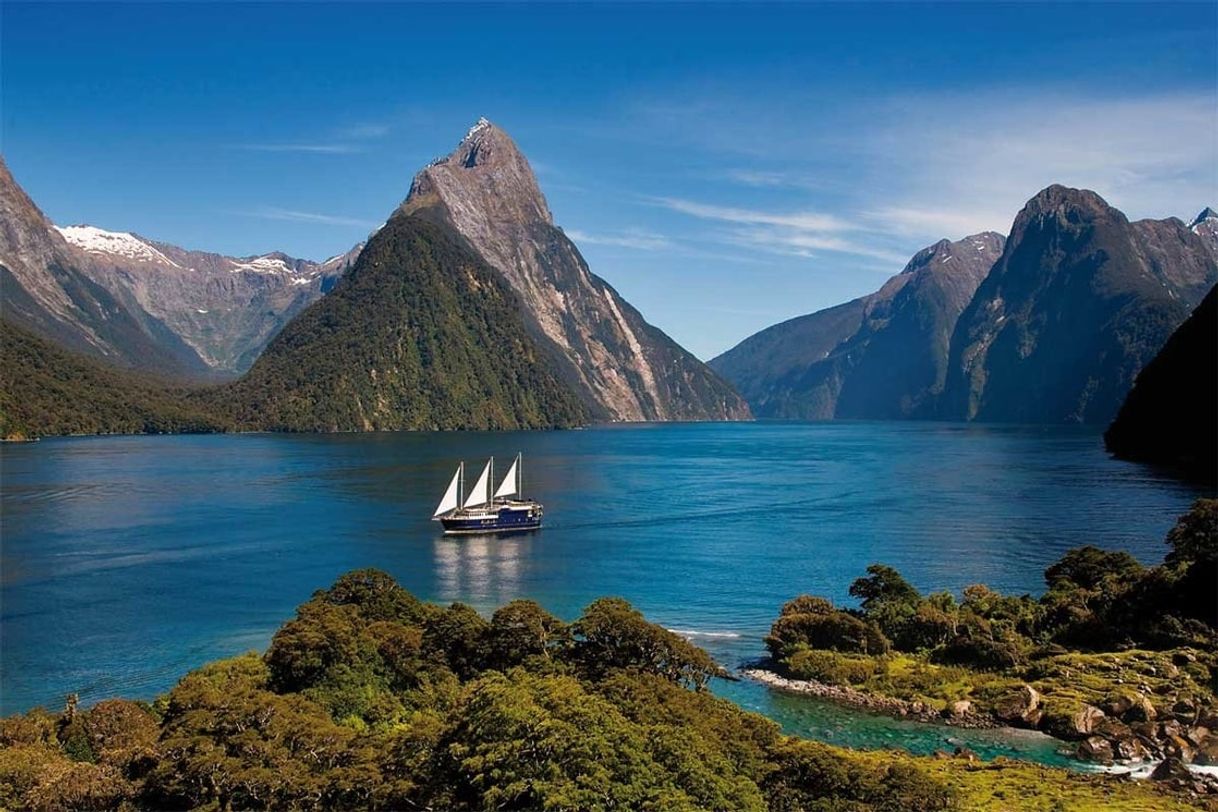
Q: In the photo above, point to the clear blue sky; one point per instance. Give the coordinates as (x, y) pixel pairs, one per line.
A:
(725, 167)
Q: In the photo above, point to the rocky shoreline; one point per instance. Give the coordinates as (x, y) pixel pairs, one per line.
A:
(1184, 754)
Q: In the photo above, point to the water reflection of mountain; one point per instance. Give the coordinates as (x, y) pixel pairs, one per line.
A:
(480, 570)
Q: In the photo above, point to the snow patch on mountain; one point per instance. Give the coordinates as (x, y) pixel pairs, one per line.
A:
(266, 264)
(98, 241)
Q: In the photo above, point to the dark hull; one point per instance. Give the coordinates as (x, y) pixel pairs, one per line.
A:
(512, 519)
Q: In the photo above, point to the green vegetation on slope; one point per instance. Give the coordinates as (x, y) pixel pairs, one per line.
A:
(370, 699)
(49, 390)
(420, 334)
(1121, 657)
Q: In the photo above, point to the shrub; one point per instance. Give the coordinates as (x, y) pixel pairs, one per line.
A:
(830, 667)
(837, 630)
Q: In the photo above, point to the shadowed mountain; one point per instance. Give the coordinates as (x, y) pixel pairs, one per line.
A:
(1079, 302)
(880, 356)
(1170, 417)
(622, 367)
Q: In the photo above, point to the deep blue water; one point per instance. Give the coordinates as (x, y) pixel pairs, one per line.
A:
(126, 561)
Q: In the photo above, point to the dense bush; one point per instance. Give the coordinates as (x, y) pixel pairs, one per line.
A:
(369, 699)
(832, 668)
(1096, 600)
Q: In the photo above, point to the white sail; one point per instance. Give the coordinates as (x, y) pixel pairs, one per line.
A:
(480, 494)
(450, 501)
(508, 487)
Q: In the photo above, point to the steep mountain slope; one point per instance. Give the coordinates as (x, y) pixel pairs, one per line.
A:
(44, 289)
(145, 304)
(420, 334)
(1080, 300)
(622, 367)
(49, 390)
(880, 356)
(1171, 414)
(225, 308)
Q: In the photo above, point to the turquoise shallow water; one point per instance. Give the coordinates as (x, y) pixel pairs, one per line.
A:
(127, 561)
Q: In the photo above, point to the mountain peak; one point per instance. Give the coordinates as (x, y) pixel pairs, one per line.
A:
(1057, 197)
(1062, 207)
(1206, 214)
(486, 174)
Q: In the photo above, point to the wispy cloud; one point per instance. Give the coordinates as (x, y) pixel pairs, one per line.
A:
(952, 175)
(361, 132)
(346, 140)
(291, 215)
(636, 239)
(798, 233)
(323, 149)
(771, 178)
(800, 220)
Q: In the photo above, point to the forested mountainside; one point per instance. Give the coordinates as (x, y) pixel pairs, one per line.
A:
(1170, 417)
(48, 390)
(419, 334)
(622, 367)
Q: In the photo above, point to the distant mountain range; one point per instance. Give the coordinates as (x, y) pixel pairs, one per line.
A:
(470, 308)
(148, 305)
(880, 356)
(1051, 325)
(475, 310)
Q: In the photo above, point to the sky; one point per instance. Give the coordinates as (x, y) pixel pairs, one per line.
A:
(725, 167)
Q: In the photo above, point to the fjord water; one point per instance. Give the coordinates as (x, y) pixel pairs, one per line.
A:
(129, 560)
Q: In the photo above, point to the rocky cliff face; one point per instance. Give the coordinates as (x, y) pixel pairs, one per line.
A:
(1079, 302)
(44, 288)
(622, 367)
(880, 356)
(145, 304)
(226, 309)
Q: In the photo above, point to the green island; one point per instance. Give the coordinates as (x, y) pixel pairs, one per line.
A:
(1119, 659)
(372, 699)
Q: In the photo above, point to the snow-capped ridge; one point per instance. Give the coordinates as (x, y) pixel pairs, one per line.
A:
(481, 124)
(1206, 215)
(121, 243)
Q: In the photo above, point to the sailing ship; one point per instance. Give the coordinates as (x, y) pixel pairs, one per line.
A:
(481, 511)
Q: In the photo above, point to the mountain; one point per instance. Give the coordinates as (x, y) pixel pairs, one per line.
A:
(878, 357)
(148, 305)
(420, 334)
(1205, 226)
(622, 367)
(224, 308)
(1079, 302)
(49, 390)
(1171, 414)
(44, 289)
